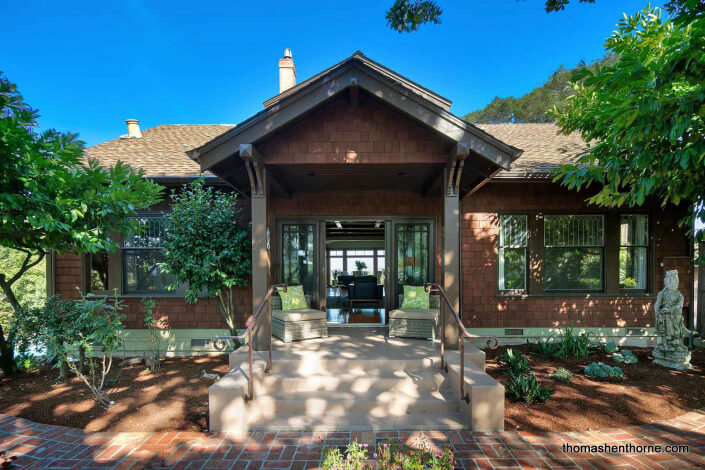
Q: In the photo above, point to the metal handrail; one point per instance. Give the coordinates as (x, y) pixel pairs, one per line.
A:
(219, 342)
(462, 333)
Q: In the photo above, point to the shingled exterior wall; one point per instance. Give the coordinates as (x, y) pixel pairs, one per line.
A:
(483, 306)
(368, 133)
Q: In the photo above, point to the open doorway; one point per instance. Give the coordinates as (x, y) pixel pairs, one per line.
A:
(354, 268)
(356, 262)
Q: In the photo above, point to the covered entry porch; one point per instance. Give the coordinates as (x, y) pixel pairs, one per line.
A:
(356, 141)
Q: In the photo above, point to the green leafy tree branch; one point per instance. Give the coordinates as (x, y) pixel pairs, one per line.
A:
(51, 199)
(643, 118)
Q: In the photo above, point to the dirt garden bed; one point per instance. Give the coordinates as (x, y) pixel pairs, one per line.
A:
(647, 393)
(175, 398)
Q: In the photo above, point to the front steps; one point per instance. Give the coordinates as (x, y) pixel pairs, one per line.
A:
(314, 390)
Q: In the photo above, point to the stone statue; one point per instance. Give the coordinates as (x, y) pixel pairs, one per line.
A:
(670, 350)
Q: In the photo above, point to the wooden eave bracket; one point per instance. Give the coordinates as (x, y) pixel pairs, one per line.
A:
(456, 161)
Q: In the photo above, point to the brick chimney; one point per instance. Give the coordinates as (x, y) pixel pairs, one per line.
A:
(133, 129)
(287, 72)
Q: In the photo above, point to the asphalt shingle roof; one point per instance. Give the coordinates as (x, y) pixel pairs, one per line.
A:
(162, 149)
(544, 149)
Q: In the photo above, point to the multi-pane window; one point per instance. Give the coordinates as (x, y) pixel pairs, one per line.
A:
(142, 258)
(413, 244)
(633, 251)
(512, 252)
(336, 267)
(298, 256)
(361, 260)
(573, 252)
(343, 261)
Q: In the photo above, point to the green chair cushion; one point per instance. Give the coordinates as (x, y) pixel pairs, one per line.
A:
(415, 297)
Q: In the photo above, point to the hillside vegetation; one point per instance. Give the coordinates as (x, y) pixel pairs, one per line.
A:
(535, 105)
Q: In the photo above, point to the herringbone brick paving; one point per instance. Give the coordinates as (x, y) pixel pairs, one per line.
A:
(45, 446)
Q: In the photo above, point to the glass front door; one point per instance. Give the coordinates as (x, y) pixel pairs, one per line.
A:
(299, 256)
(413, 256)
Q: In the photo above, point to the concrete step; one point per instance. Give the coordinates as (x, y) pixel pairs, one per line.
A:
(362, 422)
(322, 364)
(314, 390)
(354, 381)
(378, 404)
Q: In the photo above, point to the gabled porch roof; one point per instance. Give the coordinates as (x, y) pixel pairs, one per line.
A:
(487, 153)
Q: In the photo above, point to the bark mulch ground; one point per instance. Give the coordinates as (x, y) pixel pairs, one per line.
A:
(647, 393)
(174, 398)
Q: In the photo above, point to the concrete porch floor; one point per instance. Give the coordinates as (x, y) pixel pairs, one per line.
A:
(363, 343)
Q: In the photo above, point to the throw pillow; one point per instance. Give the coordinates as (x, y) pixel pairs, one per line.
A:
(293, 298)
(415, 297)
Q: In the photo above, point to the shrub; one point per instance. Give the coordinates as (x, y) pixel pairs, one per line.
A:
(544, 347)
(610, 347)
(603, 371)
(526, 388)
(573, 345)
(208, 247)
(562, 375)
(155, 338)
(72, 329)
(515, 361)
(626, 356)
(354, 460)
(27, 362)
(392, 455)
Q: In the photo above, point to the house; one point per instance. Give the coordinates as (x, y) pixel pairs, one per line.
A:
(361, 171)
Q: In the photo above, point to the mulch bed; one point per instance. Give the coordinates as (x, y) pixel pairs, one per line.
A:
(174, 398)
(647, 393)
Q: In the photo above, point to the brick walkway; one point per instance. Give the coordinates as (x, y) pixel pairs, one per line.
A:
(44, 446)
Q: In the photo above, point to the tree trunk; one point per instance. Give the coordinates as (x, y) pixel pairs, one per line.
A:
(63, 370)
(700, 294)
(82, 359)
(7, 355)
(7, 349)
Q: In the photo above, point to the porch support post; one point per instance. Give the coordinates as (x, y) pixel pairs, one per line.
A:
(260, 255)
(452, 282)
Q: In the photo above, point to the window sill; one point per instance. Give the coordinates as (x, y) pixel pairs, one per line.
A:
(584, 295)
(155, 295)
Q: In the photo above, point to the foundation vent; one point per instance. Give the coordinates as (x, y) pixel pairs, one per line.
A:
(199, 343)
(636, 332)
(514, 332)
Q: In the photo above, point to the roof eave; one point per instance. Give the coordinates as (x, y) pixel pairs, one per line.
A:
(383, 87)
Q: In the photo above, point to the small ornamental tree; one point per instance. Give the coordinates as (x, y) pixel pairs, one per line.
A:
(206, 248)
(643, 117)
(52, 199)
(83, 334)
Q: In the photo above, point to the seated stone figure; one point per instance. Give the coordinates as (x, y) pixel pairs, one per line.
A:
(670, 350)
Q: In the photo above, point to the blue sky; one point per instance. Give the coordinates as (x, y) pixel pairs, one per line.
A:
(87, 66)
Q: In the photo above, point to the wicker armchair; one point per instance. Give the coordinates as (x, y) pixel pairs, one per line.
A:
(415, 323)
(293, 325)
